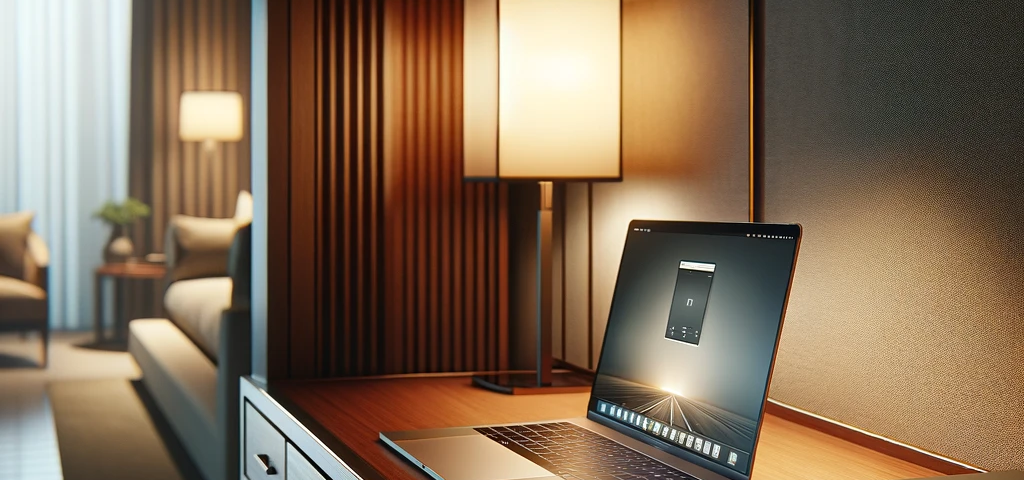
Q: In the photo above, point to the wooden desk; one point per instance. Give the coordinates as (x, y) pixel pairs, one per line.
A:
(351, 413)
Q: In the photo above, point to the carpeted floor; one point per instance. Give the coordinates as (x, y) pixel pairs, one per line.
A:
(110, 429)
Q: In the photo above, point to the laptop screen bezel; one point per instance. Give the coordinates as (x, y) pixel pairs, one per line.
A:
(639, 227)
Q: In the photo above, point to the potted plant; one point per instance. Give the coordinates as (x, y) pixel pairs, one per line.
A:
(121, 216)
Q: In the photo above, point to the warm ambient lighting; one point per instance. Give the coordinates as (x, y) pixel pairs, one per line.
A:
(542, 89)
(208, 116)
(542, 93)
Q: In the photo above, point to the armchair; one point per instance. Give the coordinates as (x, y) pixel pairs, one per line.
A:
(24, 261)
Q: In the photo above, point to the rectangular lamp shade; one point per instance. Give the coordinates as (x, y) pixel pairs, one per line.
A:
(542, 89)
(210, 115)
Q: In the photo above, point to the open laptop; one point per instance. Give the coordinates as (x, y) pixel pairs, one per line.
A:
(683, 376)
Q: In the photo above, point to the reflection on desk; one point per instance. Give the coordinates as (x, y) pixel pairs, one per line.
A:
(347, 416)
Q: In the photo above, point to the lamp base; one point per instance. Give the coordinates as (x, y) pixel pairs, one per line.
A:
(562, 381)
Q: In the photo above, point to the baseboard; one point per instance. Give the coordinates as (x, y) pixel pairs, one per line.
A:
(870, 440)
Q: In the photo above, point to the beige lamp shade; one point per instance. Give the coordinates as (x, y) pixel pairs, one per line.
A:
(210, 116)
(542, 89)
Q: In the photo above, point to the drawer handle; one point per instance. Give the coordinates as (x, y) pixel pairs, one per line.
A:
(264, 460)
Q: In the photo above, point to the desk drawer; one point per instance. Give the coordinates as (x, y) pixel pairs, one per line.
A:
(264, 447)
(298, 468)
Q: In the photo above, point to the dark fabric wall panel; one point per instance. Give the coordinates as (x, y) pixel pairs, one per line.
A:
(892, 133)
(181, 45)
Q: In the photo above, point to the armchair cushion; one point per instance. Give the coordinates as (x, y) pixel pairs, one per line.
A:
(21, 301)
(14, 232)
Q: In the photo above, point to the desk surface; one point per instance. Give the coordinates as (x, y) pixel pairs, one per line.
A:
(151, 271)
(354, 411)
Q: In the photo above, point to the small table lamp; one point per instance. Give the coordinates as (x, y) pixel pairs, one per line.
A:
(542, 102)
(210, 117)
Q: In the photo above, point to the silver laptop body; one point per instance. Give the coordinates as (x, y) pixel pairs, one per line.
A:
(685, 365)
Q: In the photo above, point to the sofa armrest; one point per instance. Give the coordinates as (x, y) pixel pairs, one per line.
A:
(233, 361)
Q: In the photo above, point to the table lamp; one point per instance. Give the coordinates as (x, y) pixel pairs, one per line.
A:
(210, 117)
(542, 102)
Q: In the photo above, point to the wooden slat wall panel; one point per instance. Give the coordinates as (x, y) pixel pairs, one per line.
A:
(395, 264)
(445, 252)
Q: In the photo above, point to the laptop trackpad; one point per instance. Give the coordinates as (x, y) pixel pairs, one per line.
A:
(472, 457)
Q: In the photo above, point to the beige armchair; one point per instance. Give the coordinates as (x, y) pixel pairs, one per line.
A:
(24, 260)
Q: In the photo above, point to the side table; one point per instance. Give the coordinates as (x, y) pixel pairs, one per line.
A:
(120, 273)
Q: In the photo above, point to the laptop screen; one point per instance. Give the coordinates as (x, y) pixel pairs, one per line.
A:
(691, 337)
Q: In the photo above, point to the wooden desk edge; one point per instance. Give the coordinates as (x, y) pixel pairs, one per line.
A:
(316, 441)
(349, 459)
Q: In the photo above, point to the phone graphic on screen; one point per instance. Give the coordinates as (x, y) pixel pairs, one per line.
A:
(689, 301)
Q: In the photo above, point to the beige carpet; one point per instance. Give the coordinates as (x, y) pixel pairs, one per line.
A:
(109, 429)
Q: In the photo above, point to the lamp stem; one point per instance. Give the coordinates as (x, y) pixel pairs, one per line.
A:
(545, 283)
(209, 150)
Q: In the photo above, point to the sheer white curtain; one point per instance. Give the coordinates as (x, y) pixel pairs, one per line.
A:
(64, 80)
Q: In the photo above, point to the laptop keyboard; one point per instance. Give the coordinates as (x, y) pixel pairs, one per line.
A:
(574, 452)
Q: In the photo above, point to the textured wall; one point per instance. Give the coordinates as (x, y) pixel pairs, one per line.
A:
(893, 134)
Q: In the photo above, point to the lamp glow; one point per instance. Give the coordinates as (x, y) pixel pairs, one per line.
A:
(542, 89)
(205, 116)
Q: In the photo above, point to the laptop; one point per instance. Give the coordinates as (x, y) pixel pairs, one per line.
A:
(681, 385)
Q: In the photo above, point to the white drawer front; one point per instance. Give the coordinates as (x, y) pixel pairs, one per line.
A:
(298, 468)
(264, 448)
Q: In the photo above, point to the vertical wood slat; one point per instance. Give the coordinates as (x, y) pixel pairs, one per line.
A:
(331, 211)
(303, 205)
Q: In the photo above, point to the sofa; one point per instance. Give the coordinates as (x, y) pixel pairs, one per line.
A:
(24, 259)
(192, 360)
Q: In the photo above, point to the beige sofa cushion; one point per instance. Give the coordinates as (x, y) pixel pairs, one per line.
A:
(196, 305)
(14, 231)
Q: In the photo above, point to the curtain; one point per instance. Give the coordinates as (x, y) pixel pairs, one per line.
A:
(179, 46)
(64, 89)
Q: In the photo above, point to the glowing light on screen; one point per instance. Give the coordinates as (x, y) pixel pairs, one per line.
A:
(674, 391)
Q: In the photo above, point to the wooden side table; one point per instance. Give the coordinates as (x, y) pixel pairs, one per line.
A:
(120, 273)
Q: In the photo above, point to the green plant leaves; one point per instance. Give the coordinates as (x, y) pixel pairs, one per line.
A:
(125, 213)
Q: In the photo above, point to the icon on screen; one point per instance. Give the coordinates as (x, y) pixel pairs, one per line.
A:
(689, 441)
(733, 458)
(707, 448)
(698, 444)
(716, 450)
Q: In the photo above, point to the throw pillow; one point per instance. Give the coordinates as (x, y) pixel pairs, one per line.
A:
(14, 230)
(200, 246)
